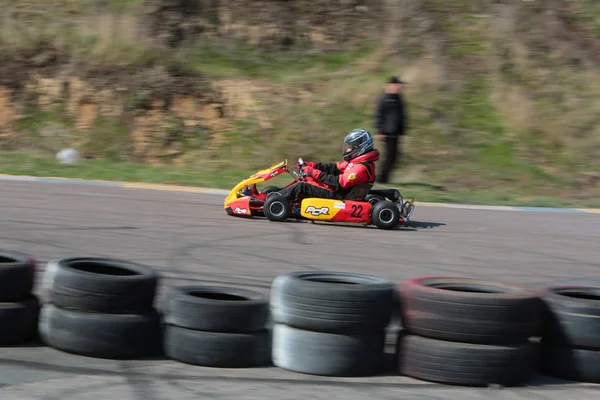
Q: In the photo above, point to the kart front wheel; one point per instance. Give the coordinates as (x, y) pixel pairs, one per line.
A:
(276, 208)
(385, 215)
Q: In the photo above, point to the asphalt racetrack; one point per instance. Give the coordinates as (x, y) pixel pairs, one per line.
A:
(189, 239)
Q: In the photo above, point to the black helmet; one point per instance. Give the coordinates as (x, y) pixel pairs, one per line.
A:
(357, 143)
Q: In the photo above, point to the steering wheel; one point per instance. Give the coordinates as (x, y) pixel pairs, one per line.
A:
(301, 173)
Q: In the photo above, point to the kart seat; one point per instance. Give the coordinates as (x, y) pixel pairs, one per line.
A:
(358, 192)
(391, 194)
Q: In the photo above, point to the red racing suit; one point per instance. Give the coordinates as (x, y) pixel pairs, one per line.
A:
(342, 176)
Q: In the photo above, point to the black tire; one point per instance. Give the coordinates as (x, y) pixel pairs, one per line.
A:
(216, 309)
(385, 215)
(470, 310)
(464, 363)
(18, 321)
(374, 198)
(17, 276)
(270, 189)
(217, 349)
(103, 285)
(110, 336)
(579, 365)
(573, 316)
(276, 208)
(328, 301)
(319, 353)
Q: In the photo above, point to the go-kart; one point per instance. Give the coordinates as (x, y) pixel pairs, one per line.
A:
(384, 208)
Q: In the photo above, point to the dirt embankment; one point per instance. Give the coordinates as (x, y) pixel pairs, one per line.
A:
(159, 102)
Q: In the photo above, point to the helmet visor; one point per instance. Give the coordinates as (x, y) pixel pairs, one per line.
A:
(348, 147)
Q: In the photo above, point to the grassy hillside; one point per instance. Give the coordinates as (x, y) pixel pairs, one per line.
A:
(503, 96)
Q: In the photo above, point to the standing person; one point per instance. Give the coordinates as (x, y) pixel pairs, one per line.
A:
(390, 118)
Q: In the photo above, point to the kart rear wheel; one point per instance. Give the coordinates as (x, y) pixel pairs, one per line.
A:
(276, 208)
(270, 189)
(374, 198)
(385, 215)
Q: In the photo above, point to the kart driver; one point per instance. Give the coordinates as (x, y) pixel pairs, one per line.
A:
(337, 180)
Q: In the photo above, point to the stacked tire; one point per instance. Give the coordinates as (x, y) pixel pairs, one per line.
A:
(101, 308)
(468, 332)
(19, 308)
(330, 323)
(221, 327)
(571, 336)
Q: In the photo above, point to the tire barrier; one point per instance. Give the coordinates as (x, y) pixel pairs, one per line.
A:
(468, 332)
(101, 308)
(102, 285)
(571, 336)
(217, 327)
(330, 323)
(455, 330)
(465, 364)
(19, 308)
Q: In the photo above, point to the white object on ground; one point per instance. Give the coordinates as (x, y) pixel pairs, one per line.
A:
(67, 156)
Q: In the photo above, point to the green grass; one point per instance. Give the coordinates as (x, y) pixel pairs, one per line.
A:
(39, 164)
(43, 165)
(239, 59)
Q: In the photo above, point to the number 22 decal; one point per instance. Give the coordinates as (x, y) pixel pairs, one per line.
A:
(356, 211)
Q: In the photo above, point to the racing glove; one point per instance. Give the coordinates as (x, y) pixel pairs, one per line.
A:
(318, 175)
(307, 163)
(311, 171)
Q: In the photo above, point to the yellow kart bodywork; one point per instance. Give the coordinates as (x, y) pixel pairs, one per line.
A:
(261, 176)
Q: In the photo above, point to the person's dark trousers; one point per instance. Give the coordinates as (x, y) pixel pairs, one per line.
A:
(305, 190)
(391, 156)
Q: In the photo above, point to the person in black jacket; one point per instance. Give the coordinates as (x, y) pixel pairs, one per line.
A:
(390, 124)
